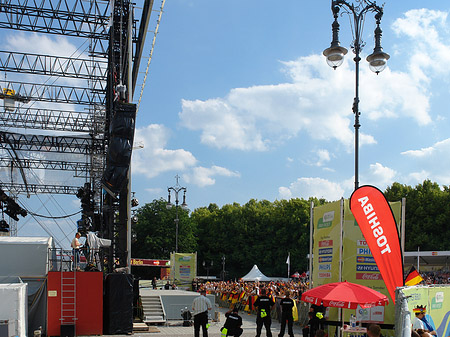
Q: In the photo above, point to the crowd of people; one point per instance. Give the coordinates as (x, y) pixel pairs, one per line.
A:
(276, 300)
(436, 277)
(240, 290)
(263, 301)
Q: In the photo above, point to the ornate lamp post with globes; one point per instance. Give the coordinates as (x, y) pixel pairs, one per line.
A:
(176, 189)
(335, 53)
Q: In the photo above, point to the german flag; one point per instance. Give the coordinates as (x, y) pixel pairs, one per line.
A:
(413, 277)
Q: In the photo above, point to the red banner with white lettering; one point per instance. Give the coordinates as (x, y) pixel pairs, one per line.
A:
(377, 223)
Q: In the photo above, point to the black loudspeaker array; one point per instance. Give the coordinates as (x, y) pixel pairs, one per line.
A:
(120, 147)
(118, 304)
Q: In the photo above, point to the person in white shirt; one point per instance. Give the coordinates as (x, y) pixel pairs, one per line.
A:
(200, 307)
(76, 245)
(420, 321)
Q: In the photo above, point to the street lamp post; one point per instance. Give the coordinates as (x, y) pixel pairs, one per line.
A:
(335, 53)
(176, 189)
(205, 265)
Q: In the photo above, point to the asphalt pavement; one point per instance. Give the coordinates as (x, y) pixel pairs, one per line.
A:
(176, 329)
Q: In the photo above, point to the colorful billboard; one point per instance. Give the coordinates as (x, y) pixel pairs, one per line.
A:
(184, 267)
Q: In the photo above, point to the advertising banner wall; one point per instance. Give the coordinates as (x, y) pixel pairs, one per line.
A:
(436, 299)
(184, 267)
(326, 248)
(358, 264)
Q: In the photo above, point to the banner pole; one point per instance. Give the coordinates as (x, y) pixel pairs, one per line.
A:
(311, 225)
(403, 228)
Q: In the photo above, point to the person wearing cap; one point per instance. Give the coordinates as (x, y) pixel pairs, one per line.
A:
(200, 307)
(233, 323)
(264, 304)
(420, 321)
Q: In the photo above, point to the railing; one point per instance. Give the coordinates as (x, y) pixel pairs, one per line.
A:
(63, 260)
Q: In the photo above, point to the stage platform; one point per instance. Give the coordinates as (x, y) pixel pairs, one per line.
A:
(174, 301)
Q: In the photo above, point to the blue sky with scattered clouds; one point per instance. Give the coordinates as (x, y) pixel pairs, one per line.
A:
(240, 102)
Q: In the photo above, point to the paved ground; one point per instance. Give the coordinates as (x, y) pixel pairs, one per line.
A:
(175, 329)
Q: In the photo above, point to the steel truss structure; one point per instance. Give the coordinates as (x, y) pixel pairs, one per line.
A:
(60, 107)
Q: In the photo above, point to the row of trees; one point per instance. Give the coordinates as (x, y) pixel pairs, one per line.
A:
(264, 232)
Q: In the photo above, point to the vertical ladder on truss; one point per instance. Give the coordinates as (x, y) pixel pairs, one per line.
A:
(69, 298)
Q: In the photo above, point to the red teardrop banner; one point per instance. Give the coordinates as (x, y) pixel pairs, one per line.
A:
(376, 221)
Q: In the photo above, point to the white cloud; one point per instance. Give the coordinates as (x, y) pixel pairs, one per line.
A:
(312, 187)
(380, 176)
(418, 177)
(425, 27)
(433, 161)
(154, 159)
(324, 157)
(203, 176)
(316, 101)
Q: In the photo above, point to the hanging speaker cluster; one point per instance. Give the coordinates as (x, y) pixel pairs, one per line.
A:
(120, 147)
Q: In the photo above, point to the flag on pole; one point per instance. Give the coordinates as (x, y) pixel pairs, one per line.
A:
(288, 262)
(413, 277)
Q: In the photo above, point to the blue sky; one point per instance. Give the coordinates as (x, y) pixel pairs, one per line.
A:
(240, 103)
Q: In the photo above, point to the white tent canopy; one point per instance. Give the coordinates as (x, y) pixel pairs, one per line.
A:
(255, 275)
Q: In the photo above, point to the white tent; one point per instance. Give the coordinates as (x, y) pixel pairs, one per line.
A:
(26, 256)
(13, 309)
(255, 275)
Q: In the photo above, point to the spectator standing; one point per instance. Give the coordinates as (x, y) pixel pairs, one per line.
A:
(264, 305)
(200, 307)
(286, 304)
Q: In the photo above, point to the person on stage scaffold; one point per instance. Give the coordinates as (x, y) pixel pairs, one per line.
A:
(76, 246)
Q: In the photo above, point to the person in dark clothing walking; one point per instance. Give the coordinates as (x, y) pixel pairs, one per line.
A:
(232, 326)
(286, 304)
(264, 304)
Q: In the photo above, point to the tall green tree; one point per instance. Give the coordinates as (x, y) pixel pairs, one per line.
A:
(156, 232)
(427, 215)
(259, 232)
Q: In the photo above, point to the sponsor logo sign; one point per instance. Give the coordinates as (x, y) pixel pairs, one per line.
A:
(325, 251)
(365, 267)
(365, 259)
(369, 276)
(363, 251)
(361, 243)
(323, 259)
(325, 266)
(326, 243)
(324, 275)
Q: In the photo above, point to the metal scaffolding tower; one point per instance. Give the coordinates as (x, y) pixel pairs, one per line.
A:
(66, 113)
